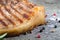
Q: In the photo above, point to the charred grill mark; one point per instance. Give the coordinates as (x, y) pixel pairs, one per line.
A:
(18, 0)
(11, 21)
(4, 2)
(1, 2)
(16, 10)
(10, 18)
(30, 5)
(25, 10)
(16, 15)
(14, 2)
(8, 2)
(24, 15)
(21, 11)
(2, 26)
(3, 22)
(3, 19)
(6, 20)
(24, 7)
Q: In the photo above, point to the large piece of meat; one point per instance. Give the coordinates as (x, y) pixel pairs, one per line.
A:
(19, 16)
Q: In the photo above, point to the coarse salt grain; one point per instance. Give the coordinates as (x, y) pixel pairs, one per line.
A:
(51, 18)
(51, 25)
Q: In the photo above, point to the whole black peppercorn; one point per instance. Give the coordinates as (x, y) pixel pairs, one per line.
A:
(59, 21)
(55, 26)
(41, 31)
(43, 28)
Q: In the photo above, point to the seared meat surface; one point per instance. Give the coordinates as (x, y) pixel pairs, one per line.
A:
(18, 16)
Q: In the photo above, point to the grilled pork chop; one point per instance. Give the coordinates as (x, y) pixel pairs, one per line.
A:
(19, 16)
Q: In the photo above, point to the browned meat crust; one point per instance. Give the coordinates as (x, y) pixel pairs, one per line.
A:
(18, 16)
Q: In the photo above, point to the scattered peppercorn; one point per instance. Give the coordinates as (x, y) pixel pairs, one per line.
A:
(59, 21)
(43, 28)
(41, 31)
(55, 26)
(56, 19)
